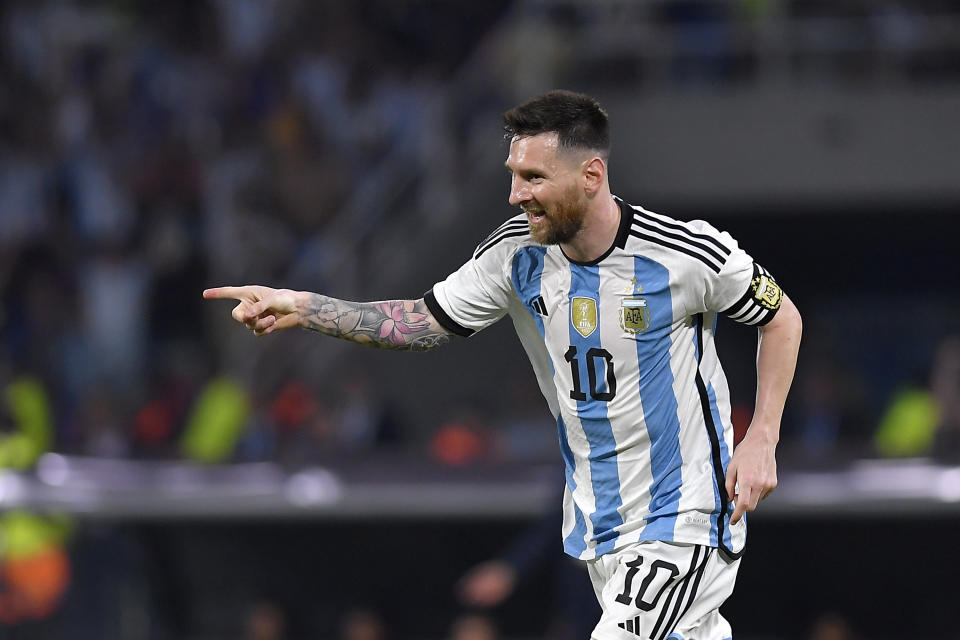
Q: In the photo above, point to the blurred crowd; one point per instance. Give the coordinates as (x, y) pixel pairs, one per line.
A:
(150, 149)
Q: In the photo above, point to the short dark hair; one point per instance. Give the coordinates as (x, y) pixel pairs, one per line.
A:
(578, 119)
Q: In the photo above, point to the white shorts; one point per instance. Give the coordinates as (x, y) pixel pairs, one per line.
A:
(660, 590)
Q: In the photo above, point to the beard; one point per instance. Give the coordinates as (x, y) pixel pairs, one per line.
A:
(559, 225)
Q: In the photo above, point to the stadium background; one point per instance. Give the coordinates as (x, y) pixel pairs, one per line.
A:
(168, 476)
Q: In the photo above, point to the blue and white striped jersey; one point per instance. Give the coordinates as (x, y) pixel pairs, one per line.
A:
(623, 349)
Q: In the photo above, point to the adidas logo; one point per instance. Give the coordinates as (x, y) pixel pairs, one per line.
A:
(539, 305)
(633, 626)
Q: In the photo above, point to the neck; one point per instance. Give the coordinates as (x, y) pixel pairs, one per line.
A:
(599, 231)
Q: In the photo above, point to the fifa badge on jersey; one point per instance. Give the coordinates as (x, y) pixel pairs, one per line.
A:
(634, 314)
(583, 315)
(767, 292)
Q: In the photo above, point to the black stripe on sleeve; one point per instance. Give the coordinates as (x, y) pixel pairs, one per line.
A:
(514, 233)
(683, 229)
(510, 222)
(678, 247)
(509, 225)
(639, 221)
(445, 321)
(759, 319)
(744, 301)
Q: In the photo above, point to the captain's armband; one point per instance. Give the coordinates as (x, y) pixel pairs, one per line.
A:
(760, 302)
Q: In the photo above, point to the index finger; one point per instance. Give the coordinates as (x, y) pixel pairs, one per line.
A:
(222, 293)
(739, 507)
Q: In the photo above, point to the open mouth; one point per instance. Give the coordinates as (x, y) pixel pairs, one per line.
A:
(535, 216)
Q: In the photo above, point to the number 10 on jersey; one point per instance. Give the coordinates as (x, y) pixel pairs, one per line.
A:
(593, 357)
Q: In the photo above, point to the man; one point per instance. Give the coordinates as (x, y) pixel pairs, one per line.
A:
(616, 308)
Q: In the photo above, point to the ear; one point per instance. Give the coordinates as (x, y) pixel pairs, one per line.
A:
(594, 173)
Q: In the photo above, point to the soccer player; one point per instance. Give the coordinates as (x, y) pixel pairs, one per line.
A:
(616, 308)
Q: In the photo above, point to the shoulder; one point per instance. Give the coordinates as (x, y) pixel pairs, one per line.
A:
(695, 240)
(504, 241)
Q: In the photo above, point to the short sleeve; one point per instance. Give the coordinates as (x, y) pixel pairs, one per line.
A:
(742, 289)
(474, 296)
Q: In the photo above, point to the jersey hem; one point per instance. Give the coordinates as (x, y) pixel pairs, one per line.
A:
(590, 553)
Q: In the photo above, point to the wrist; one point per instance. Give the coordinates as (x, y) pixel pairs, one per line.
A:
(767, 432)
(301, 306)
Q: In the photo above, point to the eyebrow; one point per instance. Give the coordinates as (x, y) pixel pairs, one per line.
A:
(539, 170)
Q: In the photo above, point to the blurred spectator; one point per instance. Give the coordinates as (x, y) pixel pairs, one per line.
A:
(945, 386)
(829, 421)
(473, 626)
(925, 420)
(525, 431)
(216, 421)
(357, 415)
(26, 422)
(490, 583)
(34, 566)
(113, 293)
(362, 624)
(465, 438)
(177, 377)
(702, 43)
(830, 626)
(104, 423)
(265, 620)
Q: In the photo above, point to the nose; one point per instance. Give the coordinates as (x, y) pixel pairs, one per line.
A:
(519, 191)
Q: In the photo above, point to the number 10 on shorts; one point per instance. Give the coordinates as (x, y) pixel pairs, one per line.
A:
(660, 575)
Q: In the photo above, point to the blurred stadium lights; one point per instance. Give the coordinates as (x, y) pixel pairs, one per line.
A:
(11, 489)
(137, 490)
(53, 469)
(948, 486)
(313, 487)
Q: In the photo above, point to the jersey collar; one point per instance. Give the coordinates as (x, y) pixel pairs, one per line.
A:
(619, 241)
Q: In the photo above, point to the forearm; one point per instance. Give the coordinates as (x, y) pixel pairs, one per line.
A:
(391, 324)
(776, 362)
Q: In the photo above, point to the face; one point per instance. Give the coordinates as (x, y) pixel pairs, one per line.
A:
(546, 184)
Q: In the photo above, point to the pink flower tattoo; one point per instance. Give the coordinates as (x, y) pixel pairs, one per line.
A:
(399, 321)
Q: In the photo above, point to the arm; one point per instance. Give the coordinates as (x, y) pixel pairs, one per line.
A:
(753, 467)
(391, 324)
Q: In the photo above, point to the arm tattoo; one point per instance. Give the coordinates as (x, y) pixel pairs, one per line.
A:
(393, 324)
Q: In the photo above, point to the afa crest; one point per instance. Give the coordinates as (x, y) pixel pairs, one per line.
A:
(583, 315)
(634, 315)
(767, 292)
